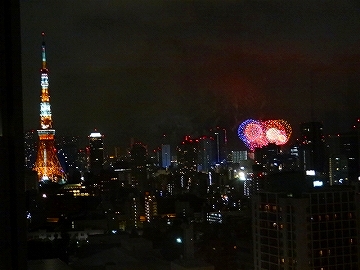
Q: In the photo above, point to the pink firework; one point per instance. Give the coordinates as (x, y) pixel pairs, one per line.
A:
(256, 134)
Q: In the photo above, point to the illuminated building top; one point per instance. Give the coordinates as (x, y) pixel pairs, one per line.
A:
(95, 135)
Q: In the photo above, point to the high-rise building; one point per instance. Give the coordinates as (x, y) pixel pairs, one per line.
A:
(96, 152)
(338, 170)
(206, 153)
(338, 160)
(187, 155)
(150, 207)
(165, 156)
(343, 152)
(47, 164)
(238, 156)
(70, 148)
(266, 155)
(298, 226)
(138, 157)
(133, 211)
(220, 137)
(273, 159)
(312, 147)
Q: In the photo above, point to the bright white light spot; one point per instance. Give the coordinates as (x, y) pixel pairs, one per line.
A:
(310, 172)
(95, 135)
(178, 240)
(242, 176)
(317, 183)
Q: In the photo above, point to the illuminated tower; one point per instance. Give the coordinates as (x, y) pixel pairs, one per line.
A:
(47, 164)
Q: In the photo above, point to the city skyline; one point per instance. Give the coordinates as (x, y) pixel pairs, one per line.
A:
(140, 70)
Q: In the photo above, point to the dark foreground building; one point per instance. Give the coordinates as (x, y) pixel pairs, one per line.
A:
(297, 226)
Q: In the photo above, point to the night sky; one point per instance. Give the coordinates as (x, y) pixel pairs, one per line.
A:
(144, 68)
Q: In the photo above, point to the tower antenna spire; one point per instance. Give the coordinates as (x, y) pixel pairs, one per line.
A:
(43, 51)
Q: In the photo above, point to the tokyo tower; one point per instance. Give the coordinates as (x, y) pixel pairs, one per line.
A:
(47, 164)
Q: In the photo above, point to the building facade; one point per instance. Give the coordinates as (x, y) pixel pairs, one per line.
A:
(96, 152)
(315, 228)
(312, 147)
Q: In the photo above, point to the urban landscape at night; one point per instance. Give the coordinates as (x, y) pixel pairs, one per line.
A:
(198, 204)
(173, 135)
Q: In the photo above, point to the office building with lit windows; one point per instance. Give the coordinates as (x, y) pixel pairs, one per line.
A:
(187, 155)
(238, 156)
(206, 153)
(96, 152)
(343, 152)
(220, 139)
(312, 147)
(298, 226)
(138, 155)
(150, 207)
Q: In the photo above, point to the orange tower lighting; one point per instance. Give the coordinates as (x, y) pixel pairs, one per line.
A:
(47, 164)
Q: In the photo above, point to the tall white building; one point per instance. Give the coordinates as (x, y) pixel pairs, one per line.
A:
(96, 152)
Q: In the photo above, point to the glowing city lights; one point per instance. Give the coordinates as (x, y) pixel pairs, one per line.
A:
(256, 133)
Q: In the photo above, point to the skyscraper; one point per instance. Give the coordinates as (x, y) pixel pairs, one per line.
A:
(206, 153)
(312, 147)
(47, 164)
(138, 156)
(96, 152)
(187, 155)
(220, 137)
(165, 156)
(344, 156)
(150, 207)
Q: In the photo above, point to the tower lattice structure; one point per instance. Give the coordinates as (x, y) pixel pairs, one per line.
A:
(47, 164)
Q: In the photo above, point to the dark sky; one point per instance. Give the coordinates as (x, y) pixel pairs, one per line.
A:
(143, 68)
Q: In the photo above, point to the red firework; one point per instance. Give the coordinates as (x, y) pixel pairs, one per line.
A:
(256, 134)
